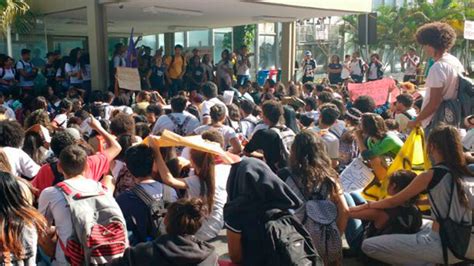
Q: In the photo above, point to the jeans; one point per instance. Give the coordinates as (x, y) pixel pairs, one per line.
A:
(355, 227)
(422, 248)
(175, 86)
(357, 78)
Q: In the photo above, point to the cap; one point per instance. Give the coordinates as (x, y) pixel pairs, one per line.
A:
(308, 53)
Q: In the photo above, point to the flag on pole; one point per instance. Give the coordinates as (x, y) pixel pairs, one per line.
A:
(132, 58)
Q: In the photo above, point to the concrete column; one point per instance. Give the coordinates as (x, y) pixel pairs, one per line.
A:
(288, 51)
(169, 43)
(97, 41)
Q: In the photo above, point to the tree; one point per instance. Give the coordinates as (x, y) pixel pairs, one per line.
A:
(16, 15)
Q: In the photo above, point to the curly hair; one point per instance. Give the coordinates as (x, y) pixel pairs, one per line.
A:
(39, 116)
(439, 35)
(122, 124)
(374, 126)
(11, 134)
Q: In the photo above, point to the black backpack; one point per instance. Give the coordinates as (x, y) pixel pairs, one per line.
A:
(180, 128)
(156, 208)
(286, 242)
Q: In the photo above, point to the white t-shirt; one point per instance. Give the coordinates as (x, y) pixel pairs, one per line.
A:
(373, 71)
(403, 120)
(346, 70)
(119, 61)
(242, 68)
(28, 68)
(206, 107)
(215, 221)
(227, 132)
(468, 140)
(247, 125)
(61, 120)
(86, 74)
(164, 122)
(330, 141)
(355, 67)
(53, 206)
(9, 113)
(443, 74)
(313, 114)
(410, 68)
(72, 70)
(21, 163)
(7, 74)
(338, 128)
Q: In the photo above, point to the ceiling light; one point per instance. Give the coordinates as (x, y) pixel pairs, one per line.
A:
(172, 11)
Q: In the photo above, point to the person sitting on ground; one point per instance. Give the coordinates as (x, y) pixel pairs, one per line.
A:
(178, 121)
(311, 108)
(274, 141)
(310, 170)
(404, 111)
(379, 141)
(97, 165)
(22, 225)
(217, 123)
(327, 118)
(404, 219)
(209, 91)
(12, 136)
(425, 247)
(53, 205)
(252, 190)
(179, 246)
(347, 145)
(207, 181)
(139, 161)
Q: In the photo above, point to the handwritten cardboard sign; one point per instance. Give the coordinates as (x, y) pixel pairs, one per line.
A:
(378, 90)
(128, 78)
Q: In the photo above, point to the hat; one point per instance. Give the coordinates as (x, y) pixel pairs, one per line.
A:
(308, 53)
(74, 133)
(354, 114)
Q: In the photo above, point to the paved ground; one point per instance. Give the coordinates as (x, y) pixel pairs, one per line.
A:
(220, 243)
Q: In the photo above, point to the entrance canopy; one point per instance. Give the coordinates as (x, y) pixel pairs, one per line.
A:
(69, 17)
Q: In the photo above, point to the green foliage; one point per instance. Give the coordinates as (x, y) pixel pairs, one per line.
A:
(16, 14)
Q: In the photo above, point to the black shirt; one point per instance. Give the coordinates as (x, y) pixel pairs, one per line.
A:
(268, 141)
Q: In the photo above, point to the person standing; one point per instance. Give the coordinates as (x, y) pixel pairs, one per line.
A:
(346, 68)
(27, 71)
(335, 70)
(196, 75)
(156, 76)
(358, 68)
(225, 71)
(441, 85)
(243, 66)
(175, 71)
(73, 69)
(375, 68)
(309, 67)
(410, 62)
(7, 75)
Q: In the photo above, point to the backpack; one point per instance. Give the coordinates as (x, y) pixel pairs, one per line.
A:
(286, 241)
(286, 136)
(448, 112)
(179, 128)
(173, 59)
(156, 208)
(99, 230)
(457, 236)
(466, 96)
(323, 214)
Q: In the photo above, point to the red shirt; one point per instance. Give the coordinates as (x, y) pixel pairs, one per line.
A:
(97, 166)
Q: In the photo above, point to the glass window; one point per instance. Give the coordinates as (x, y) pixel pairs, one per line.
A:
(198, 38)
(222, 40)
(150, 41)
(161, 41)
(267, 52)
(179, 38)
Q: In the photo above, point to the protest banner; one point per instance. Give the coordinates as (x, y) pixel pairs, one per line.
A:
(128, 78)
(170, 139)
(356, 176)
(378, 90)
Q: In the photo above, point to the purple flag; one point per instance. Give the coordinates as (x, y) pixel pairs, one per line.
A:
(132, 58)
